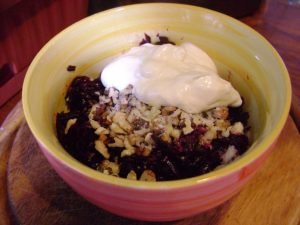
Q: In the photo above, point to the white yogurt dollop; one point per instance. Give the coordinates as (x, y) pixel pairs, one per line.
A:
(167, 75)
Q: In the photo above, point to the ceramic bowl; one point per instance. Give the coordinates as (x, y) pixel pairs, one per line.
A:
(242, 56)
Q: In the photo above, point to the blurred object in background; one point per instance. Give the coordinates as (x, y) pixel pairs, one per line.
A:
(294, 2)
(26, 25)
(5, 4)
(234, 8)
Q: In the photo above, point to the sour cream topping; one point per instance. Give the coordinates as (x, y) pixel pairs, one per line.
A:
(171, 75)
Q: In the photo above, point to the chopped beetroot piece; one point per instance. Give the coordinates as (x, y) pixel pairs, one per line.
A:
(188, 143)
(220, 144)
(163, 40)
(133, 162)
(83, 93)
(79, 139)
(71, 68)
(240, 142)
(237, 114)
(145, 40)
(185, 158)
(169, 168)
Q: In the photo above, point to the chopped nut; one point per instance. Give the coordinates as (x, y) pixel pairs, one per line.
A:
(131, 117)
(226, 132)
(142, 131)
(120, 119)
(70, 123)
(109, 168)
(154, 112)
(94, 124)
(141, 106)
(127, 152)
(102, 137)
(127, 144)
(148, 138)
(210, 134)
(168, 128)
(132, 175)
(118, 143)
(101, 130)
(175, 121)
(175, 133)
(115, 128)
(237, 128)
(207, 122)
(129, 149)
(112, 92)
(123, 99)
(92, 112)
(146, 150)
(165, 137)
(109, 117)
(133, 100)
(167, 110)
(135, 139)
(100, 147)
(221, 112)
(187, 129)
(148, 175)
(197, 119)
(222, 124)
(104, 99)
(127, 90)
(159, 121)
(176, 113)
(187, 122)
(230, 154)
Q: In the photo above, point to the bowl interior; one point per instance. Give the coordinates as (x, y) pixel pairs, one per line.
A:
(242, 56)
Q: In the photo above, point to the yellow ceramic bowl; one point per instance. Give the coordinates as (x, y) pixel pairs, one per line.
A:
(242, 56)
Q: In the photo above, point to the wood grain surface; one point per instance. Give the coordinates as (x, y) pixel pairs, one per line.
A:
(7, 136)
(37, 196)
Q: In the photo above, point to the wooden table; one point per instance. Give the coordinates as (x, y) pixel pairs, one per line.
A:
(279, 22)
(272, 197)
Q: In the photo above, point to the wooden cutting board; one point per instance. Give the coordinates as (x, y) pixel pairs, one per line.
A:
(33, 194)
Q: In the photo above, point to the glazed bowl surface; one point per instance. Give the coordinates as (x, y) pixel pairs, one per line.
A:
(242, 56)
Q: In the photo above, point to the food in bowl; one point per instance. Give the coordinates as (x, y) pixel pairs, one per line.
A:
(157, 112)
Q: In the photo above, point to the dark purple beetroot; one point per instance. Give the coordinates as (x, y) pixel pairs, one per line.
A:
(184, 158)
(237, 114)
(80, 138)
(71, 68)
(83, 93)
(161, 40)
(133, 162)
(145, 40)
(188, 143)
(239, 141)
